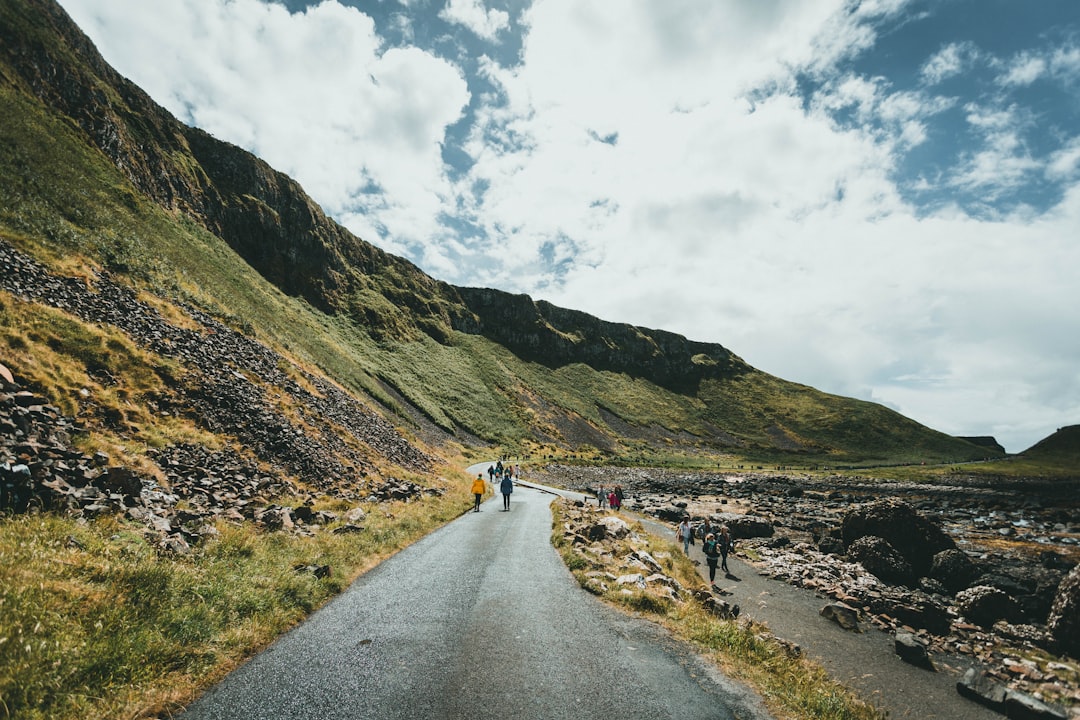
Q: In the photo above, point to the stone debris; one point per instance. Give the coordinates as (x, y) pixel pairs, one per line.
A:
(231, 380)
(231, 385)
(645, 572)
(1013, 611)
(1064, 618)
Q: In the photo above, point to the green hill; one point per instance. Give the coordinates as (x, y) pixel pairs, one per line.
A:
(1061, 448)
(93, 174)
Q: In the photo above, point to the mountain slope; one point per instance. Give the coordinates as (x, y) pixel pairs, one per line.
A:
(93, 171)
(1062, 447)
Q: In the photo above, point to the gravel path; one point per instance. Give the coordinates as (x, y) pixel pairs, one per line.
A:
(864, 661)
(478, 620)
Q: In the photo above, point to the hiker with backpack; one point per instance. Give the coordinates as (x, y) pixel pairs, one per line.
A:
(506, 487)
(711, 548)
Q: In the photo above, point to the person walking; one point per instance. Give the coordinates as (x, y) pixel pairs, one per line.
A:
(478, 488)
(712, 555)
(685, 534)
(601, 497)
(613, 501)
(705, 528)
(726, 545)
(506, 487)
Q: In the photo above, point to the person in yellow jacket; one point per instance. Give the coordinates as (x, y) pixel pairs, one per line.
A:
(478, 488)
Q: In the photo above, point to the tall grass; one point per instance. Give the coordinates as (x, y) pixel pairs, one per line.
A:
(95, 622)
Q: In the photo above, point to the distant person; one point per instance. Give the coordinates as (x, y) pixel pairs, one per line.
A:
(506, 487)
(705, 529)
(685, 534)
(491, 473)
(601, 497)
(478, 488)
(613, 501)
(619, 494)
(726, 545)
(711, 548)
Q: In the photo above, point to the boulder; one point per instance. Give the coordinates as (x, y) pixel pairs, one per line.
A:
(919, 610)
(1063, 621)
(978, 686)
(831, 545)
(881, 559)
(912, 651)
(1031, 585)
(120, 480)
(843, 615)
(747, 526)
(932, 586)
(721, 608)
(671, 514)
(16, 486)
(985, 605)
(616, 527)
(913, 535)
(647, 560)
(954, 569)
(1021, 706)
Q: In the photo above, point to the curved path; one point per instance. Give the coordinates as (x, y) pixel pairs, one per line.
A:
(478, 620)
(864, 661)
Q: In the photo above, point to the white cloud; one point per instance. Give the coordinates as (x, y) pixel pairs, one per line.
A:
(1065, 63)
(1065, 163)
(1004, 161)
(315, 94)
(950, 61)
(764, 225)
(1024, 69)
(473, 15)
(662, 157)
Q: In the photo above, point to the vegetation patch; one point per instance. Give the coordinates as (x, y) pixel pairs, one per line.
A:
(642, 573)
(97, 622)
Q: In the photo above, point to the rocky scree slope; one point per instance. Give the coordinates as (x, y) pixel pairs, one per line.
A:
(329, 446)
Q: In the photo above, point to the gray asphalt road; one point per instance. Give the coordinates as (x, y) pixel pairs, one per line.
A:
(478, 620)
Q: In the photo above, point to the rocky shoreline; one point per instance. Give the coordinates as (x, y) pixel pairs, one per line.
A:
(985, 573)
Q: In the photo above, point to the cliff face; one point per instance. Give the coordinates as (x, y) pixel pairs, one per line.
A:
(268, 219)
(554, 336)
(264, 215)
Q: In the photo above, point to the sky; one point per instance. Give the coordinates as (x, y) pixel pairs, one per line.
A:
(877, 198)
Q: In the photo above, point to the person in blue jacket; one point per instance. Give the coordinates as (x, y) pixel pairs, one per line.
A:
(506, 487)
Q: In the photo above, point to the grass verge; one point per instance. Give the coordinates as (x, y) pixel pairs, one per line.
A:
(94, 622)
(791, 685)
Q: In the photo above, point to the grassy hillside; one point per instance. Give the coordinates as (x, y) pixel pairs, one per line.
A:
(372, 322)
(1063, 447)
